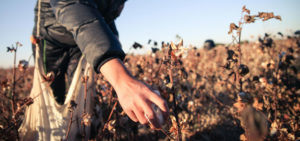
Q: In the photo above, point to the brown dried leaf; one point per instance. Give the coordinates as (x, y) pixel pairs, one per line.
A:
(173, 46)
(173, 128)
(278, 17)
(28, 101)
(180, 43)
(10, 49)
(84, 79)
(4, 83)
(49, 77)
(86, 119)
(19, 44)
(169, 85)
(232, 27)
(297, 107)
(273, 128)
(111, 126)
(246, 10)
(72, 105)
(249, 19)
(291, 136)
(257, 105)
(266, 16)
(286, 117)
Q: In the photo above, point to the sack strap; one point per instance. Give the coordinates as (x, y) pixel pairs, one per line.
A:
(36, 41)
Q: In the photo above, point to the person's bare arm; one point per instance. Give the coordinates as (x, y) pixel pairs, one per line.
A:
(134, 96)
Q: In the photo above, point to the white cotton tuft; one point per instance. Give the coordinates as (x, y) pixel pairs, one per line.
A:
(157, 111)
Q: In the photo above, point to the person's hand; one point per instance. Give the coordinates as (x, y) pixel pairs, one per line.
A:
(134, 96)
(136, 100)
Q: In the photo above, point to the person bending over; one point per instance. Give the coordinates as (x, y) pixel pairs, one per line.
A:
(72, 28)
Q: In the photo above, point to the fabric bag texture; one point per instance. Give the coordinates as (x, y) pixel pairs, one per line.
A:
(47, 120)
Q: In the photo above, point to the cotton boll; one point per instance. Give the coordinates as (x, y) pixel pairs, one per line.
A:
(157, 111)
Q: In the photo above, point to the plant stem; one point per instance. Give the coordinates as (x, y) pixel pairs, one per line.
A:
(84, 108)
(13, 93)
(176, 116)
(240, 60)
(174, 101)
(70, 123)
(14, 83)
(109, 117)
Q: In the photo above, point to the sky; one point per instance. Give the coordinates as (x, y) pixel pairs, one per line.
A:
(159, 20)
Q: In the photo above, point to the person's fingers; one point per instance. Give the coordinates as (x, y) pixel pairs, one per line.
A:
(131, 115)
(157, 100)
(151, 114)
(140, 115)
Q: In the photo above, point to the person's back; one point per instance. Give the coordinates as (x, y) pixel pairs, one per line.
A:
(52, 29)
